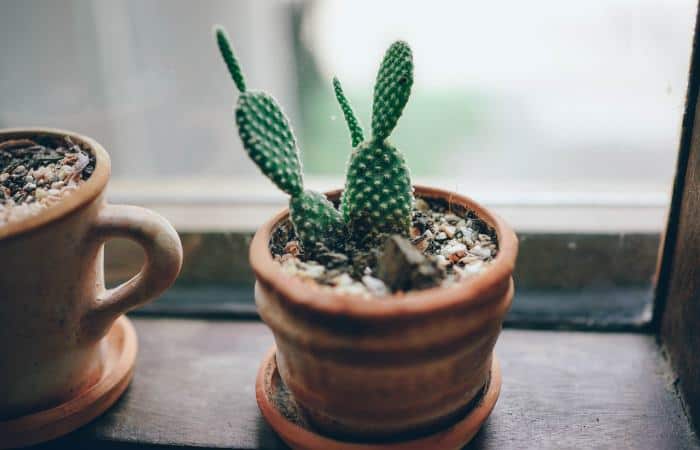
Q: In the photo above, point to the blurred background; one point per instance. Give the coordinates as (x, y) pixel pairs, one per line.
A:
(541, 98)
(564, 117)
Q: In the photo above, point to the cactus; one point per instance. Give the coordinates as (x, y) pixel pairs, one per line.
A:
(378, 195)
(269, 141)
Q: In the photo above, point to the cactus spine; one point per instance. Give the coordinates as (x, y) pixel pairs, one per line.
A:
(378, 195)
(269, 141)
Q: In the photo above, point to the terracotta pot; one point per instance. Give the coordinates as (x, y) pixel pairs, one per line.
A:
(396, 366)
(54, 307)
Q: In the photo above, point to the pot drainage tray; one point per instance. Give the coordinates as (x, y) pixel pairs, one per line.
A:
(285, 417)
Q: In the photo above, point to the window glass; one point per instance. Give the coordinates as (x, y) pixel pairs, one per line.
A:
(543, 94)
(539, 96)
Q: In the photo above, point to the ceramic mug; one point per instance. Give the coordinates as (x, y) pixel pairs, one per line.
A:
(54, 307)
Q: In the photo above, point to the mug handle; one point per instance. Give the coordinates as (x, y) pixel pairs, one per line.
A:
(163, 260)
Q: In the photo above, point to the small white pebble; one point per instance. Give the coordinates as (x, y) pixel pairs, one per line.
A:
(375, 285)
(64, 172)
(313, 270)
(441, 260)
(480, 251)
(289, 267)
(457, 250)
(473, 268)
(467, 240)
(40, 193)
(343, 280)
(82, 161)
(469, 259)
(449, 230)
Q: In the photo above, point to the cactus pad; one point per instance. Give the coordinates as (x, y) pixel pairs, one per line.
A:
(316, 220)
(270, 143)
(392, 89)
(378, 195)
(356, 133)
(229, 58)
(269, 140)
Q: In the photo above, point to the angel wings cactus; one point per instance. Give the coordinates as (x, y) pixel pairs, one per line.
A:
(378, 195)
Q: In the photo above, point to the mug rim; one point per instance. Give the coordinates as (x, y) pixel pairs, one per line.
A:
(86, 193)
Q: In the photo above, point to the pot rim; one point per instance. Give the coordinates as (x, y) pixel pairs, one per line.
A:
(312, 297)
(92, 187)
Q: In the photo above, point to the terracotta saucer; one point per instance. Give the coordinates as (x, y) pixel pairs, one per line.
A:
(285, 417)
(118, 349)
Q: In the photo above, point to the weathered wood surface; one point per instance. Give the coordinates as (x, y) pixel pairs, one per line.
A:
(677, 307)
(194, 387)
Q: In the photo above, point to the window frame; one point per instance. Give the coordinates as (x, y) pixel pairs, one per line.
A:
(677, 298)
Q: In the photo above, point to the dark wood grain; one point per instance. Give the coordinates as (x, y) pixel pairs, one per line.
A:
(194, 387)
(677, 306)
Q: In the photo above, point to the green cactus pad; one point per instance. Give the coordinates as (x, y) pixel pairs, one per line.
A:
(270, 143)
(356, 133)
(229, 58)
(392, 89)
(378, 195)
(269, 140)
(316, 220)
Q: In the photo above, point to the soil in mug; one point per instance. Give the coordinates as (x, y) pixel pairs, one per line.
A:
(38, 172)
(455, 244)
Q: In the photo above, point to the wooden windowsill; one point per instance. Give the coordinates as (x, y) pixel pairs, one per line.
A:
(194, 387)
(242, 204)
